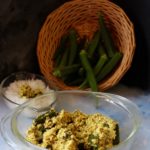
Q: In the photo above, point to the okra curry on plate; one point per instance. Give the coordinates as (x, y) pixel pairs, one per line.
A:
(73, 131)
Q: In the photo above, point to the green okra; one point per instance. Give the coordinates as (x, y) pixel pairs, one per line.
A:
(42, 118)
(75, 82)
(109, 66)
(101, 49)
(66, 70)
(101, 62)
(93, 44)
(84, 84)
(93, 145)
(42, 128)
(72, 78)
(106, 37)
(52, 113)
(89, 72)
(61, 47)
(81, 72)
(64, 59)
(73, 46)
(57, 61)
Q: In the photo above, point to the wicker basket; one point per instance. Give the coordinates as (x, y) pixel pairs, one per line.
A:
(83, 15)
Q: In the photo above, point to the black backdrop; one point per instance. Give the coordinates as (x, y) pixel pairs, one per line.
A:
(20, 22)
(139, 13)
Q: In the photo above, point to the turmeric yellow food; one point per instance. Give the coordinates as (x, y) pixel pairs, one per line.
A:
(73, 131)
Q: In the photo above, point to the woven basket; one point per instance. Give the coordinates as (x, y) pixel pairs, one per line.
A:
(83, 15)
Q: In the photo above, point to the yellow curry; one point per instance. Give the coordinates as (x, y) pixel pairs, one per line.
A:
(73, 131)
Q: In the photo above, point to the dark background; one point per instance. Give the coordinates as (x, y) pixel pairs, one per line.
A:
(20, 22)
(139, 13)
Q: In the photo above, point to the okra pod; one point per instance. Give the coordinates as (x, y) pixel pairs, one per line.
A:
(73, 46)
(41, 119)
(61, 47)
(57, 61)
(93, 44)
(75, 82)
(101, 49)
(93, 141)
(64, 59)
(102, 60)
(89, 72)
(84, 84)
(109, 66)
(81, 72)
(66, 70)
(106, 37)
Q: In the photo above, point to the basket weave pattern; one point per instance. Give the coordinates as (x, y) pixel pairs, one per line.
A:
(83, 15)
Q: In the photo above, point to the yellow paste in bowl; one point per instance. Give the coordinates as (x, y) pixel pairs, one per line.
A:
(73, 131)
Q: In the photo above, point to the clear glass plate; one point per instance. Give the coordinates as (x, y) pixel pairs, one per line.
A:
(14, 125)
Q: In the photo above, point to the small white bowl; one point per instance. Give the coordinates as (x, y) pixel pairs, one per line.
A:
(10, 97)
